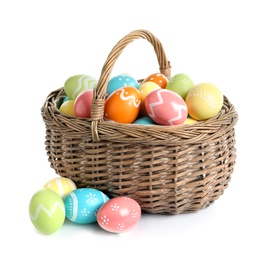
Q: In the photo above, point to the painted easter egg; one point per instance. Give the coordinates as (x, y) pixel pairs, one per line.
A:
(180, 84)
(83, 103)
(47, 211)
(82, 205)
(61, 185)
(158, 78)
(76, 84)
(123, 105)
(145, 120)
(204, 101)
(119, 214)
(144, 89)
(65, 99)
(119, 81)
(166, 107)
(67, 108)
(190, 121)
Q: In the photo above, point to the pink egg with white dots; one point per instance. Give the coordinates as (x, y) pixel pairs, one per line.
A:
(119, 214)
(166, 107)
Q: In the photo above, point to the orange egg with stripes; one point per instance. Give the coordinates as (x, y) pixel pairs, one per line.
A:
(123, 105)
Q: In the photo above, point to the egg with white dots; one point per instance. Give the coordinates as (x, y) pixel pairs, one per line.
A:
(119, 81)
(204, 101)
(82, 205)
(119, 214)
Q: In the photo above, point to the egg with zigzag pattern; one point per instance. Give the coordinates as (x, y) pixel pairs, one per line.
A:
(47, 211)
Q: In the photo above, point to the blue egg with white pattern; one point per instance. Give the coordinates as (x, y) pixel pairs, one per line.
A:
(145, 120)
(119, 81)
(82, 205)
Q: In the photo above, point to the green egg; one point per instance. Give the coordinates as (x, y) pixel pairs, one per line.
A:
(76, 84)
(47, 211)
(180, 84)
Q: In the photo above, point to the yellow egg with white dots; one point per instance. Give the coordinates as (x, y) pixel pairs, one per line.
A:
(204, 101)
(61, 185)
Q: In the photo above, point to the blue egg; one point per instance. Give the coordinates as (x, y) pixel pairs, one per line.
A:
(145, 120)
(82, 205)
(65, 99)
(120, 81)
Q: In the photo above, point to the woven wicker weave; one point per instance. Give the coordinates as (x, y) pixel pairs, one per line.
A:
(166, 169)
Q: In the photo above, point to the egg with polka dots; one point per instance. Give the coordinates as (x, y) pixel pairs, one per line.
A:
(119, 81)
(119, 214)
(204, 101)
(158, 78)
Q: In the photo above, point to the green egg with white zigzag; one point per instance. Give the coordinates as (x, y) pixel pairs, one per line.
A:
(47, 211)
(76, 84)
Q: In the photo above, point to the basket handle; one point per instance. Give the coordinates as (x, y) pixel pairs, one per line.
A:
(97, 110)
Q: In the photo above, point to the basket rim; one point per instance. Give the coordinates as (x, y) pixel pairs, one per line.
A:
(201, 131)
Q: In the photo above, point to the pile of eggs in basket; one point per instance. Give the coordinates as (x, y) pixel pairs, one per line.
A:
(61, 200)
(155, 100)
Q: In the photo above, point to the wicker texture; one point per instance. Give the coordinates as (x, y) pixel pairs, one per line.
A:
(166, 169)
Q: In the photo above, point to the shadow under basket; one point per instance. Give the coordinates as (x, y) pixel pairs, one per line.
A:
(166, 169)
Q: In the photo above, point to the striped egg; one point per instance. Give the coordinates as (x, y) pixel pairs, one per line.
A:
(82, 205)
(61, 185)
(76, 84)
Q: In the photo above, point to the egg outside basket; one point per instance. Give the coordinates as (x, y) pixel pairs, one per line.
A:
(166, 169)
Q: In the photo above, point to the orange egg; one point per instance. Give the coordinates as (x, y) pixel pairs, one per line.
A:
(157, 78)
(123, 105)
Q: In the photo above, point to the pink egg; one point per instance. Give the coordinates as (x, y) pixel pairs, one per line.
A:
(82, 104)
(119, 214)
(166, 107)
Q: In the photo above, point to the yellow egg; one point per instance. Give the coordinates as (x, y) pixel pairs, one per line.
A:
(204, 101)
(144, 89)
(67, 108)
(189, 121)
(61, 185)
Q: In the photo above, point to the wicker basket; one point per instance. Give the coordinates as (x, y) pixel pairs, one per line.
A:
(166, 169)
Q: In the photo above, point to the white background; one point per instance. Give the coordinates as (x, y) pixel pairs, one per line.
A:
(226, 43)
